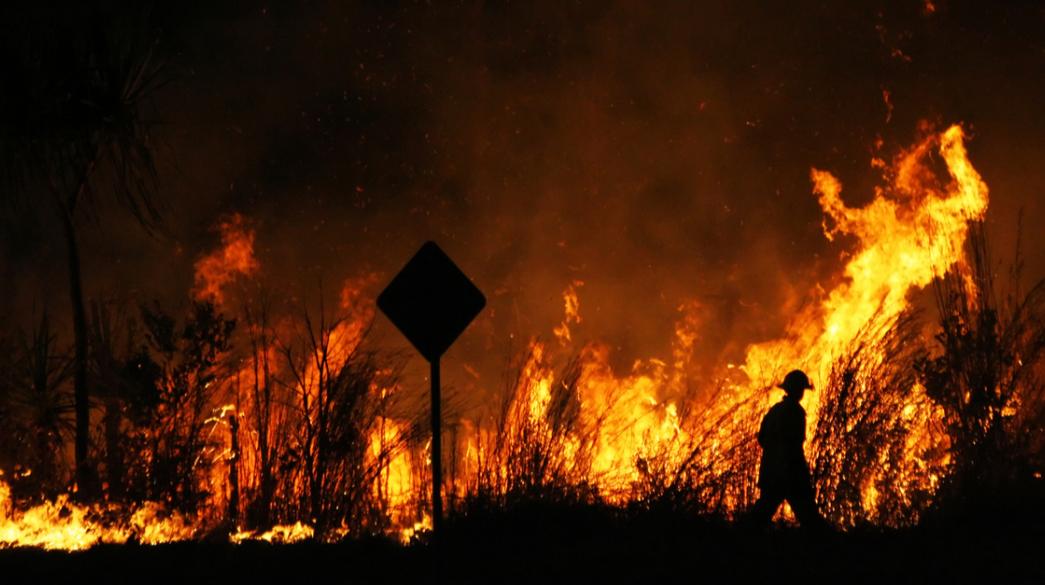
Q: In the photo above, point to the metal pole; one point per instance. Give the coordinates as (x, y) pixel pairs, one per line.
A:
(437, 451)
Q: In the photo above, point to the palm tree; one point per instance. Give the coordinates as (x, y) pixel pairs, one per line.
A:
(41, 373)
(75, 123)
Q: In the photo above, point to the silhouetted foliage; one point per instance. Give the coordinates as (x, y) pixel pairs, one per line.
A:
(713, 476)
(170, 384)
(865, 439)
(339, 394)
(37, 408)
(262, 396)
(75, 120)
(986, 378)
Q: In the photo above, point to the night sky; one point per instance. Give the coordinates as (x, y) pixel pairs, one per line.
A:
(659, 152)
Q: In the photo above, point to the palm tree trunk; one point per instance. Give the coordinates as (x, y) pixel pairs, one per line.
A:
(84, 477)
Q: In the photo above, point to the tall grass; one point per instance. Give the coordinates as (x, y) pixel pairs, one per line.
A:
(986, 376)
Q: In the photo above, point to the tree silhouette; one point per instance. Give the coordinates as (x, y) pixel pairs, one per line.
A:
(75, 123)
(41, 370)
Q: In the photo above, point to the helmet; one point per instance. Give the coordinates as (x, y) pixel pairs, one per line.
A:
(795, 380)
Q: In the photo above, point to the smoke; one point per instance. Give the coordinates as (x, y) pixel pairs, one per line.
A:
(659, 154)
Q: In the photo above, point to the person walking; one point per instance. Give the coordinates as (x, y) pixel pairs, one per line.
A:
(783, 473)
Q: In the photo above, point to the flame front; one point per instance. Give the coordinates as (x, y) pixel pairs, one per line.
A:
(64, 525)
(571, 421)
(912, 231)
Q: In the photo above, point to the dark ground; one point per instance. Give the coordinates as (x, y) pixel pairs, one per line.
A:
(548, 545)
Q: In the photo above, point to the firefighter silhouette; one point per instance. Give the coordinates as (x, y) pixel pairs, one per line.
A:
(783, 473)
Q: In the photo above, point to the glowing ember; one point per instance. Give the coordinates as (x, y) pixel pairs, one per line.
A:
(280, 534)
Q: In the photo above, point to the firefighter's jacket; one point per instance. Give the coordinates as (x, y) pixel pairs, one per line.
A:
(781, 435)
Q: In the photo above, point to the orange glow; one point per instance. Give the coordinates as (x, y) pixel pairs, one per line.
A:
(396, 483)
(233, 259)
(911, 232)
(64, 525)
(574, 416)
(280, 534)
(572, 312)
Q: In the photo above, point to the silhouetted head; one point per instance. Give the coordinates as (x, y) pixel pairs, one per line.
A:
(795, 383)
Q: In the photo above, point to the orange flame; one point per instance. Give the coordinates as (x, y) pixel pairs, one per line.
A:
(221, 267)
(913, 231)
(572, 312)
(64, 525)
(279, 534)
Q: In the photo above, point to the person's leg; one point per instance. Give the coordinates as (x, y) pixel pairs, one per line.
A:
(803, 504)
(762, 512)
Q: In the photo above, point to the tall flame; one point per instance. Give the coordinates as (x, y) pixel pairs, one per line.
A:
(913, 230)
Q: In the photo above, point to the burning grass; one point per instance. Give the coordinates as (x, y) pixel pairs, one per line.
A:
(244, 419)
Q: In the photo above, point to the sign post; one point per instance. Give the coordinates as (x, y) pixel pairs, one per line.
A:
(437, 448)
(432, 302)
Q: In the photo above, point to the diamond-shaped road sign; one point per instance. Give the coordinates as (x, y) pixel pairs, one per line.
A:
(431, 301)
